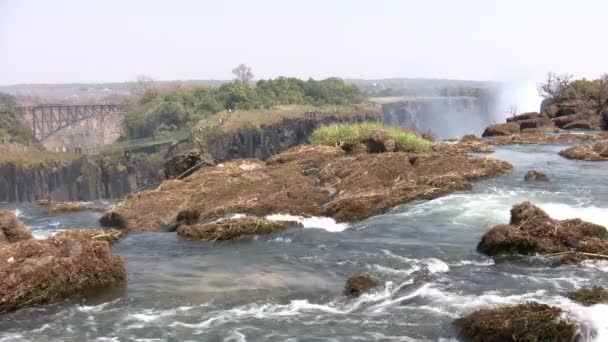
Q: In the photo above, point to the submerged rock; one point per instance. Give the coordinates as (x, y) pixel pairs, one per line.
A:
(534, 175)
(87, 234)
(529, 322)
(229, 229)
(597, 152)
(358, 285)
(531, 231)
(36, 272)
(11, 229)
(594, 295)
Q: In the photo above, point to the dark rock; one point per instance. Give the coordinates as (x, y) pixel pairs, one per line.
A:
(11, 229)
(501, 129)
(188, 216)
(113, 219)
(359, 284)
(526, 116)
(534, 175)
(184, 164)
(529, 322)
(565, 111)
(562, 121)
(587, 297)
(380, 142)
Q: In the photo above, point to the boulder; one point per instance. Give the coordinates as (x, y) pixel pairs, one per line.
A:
(36, 272)
(591, 296)
(580, 124)
(186, 163)
(562, 121)
(358, 285)
(229, 229)
(597, 152)
(526, 116)
(534, 175)
(380, 142)
(529, 322)
(501, 129)
(531, 231)
(605, 119)
(565, 111)
(112, 219)
(11, 229)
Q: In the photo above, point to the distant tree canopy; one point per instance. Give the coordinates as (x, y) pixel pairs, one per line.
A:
(11, 128)
(158, 113)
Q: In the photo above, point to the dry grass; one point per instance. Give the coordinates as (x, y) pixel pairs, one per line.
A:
(32, 155)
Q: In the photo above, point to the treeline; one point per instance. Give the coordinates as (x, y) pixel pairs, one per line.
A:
(12, 129)
(452, 91)
(562, 87)
(161, 112)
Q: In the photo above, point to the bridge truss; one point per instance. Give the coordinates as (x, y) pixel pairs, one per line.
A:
(48, 119)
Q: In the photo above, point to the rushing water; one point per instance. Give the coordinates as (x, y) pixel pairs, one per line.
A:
(287, 286)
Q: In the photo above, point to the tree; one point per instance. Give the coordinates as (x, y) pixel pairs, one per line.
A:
(243, 73)
(141, 85)
(555, 87)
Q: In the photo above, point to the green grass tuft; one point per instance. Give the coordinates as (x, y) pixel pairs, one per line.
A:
(351, 133)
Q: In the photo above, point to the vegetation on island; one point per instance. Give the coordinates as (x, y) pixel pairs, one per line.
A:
(340, 134)
(161, 111)
(12, 129)
(562, 87)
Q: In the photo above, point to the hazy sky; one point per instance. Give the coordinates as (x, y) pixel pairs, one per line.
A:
(114, 40)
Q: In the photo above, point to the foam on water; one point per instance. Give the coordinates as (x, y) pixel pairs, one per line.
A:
(326, 223)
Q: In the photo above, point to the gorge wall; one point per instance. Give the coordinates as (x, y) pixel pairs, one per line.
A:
(113, 177)
(271, 139)
(81, 180)
(445, 117)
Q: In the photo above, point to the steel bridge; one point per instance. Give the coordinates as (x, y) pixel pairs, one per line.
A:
(48, 119)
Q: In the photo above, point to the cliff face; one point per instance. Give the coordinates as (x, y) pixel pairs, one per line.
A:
(81, 180)
(445, 117)
(272, 139)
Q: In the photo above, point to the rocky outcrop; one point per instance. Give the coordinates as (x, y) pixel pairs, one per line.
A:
(597, 152)
(573, 113)
(229, 229)
(36, 272)
(309, 180)
(185, 163)
(357, 285)
(530, 322)
(508, 128)
(531, 231)
(11, 229)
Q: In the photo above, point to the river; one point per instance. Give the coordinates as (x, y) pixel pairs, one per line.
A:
(287, 286)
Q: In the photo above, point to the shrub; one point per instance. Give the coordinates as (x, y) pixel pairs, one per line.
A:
(352, 133)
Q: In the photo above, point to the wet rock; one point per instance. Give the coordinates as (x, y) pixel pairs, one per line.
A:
(380, 142)
(70, 207)
(579, 120)
(11, 229)
(597, 152)
(34, 272)
(580, 124)
(112, 219)
(501, 129)
(526, 116)
(359, 284)
(529, 322)
(531, 231)
(534, 175)
(229, 229)
(591, 296)
(184, 164)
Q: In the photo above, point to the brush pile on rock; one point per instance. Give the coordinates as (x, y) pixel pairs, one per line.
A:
(597, 152)
(44, 271)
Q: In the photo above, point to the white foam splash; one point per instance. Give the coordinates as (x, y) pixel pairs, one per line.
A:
(562, 211)
(326, 223)
(18, 212)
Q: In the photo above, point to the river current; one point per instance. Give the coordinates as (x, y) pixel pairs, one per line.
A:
(287, 286)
